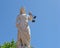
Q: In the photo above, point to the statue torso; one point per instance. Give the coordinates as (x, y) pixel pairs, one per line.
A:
(23, 21)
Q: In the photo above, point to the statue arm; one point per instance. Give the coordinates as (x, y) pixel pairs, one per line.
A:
(30, 16)
(17, 19)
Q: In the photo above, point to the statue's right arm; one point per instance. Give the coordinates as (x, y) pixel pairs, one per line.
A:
(17, 19)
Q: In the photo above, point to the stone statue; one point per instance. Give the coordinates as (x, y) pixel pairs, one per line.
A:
(23, 39)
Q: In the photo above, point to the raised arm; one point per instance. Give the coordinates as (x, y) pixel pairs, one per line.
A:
(30, 16)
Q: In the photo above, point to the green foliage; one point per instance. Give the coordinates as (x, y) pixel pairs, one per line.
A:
(11, 44)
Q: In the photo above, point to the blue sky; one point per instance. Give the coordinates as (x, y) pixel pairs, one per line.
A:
(45, 32)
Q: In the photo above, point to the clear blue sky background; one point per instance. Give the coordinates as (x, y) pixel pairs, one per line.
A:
(45, 32)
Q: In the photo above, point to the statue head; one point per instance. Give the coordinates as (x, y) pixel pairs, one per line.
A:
(22, 10)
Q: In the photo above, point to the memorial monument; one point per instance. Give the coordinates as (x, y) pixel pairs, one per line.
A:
(23, 38)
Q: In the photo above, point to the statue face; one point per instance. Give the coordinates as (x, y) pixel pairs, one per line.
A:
(22, 10)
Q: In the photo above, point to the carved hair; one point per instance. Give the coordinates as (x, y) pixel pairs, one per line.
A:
(22, 10)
